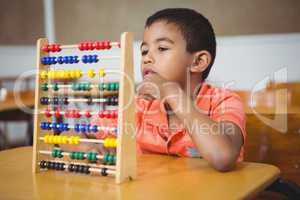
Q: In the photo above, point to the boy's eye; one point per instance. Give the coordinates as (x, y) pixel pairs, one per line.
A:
(144, 52)
(162, 48)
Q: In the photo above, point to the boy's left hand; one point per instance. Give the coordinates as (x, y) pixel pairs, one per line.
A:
(152, 87)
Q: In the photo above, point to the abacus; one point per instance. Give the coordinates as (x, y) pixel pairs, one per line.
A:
(57, 89)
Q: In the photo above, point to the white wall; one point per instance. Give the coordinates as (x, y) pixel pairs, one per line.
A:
(241, 61)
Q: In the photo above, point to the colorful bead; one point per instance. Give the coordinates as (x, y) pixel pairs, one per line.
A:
(104, 172)
(44, 86)
(101, 72)
(43, 74)
(88, 114)
(55, 86)
(91, 73)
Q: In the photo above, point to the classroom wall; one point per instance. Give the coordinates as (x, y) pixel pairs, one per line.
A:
(21, 22)
(241, 61)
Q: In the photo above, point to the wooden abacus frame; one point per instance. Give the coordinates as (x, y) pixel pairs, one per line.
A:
(126, 144)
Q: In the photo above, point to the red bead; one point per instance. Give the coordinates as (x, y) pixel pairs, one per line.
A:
(106, 114)
(45, 48)
(100, 114)
(56, 47)
(80, 46)
(57, 113)
(47, 113)
(88, 114)
(119, 44)
(90, 46)
(114, 114)
(77, 114)
(85, 46)
(106, 44)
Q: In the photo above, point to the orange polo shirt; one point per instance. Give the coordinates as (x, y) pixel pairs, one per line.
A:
(152, 124)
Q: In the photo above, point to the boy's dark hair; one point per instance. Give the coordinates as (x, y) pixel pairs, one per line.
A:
(195, 28)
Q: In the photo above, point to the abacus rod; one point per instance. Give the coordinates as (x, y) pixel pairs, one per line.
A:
(99, 141)
(99, 170)
(71, 46)
(66, 154)
(96, 167)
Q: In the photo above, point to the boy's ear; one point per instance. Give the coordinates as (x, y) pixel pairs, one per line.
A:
(201, 61)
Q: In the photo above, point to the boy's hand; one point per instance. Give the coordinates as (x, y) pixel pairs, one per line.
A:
(153, 87)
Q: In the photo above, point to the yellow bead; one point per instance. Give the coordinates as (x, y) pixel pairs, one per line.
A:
(101, 72)
(106, 142)
(115, 143)
(60, 74)
(70, 139)
(50, 74)
(76, 139)
(66, 74)
(50, 139)
(64, 139)
(43, 74)
(78, 73)
(46, 139)
(59, 139)
(91, 73)
(71, 72)
(54, 139)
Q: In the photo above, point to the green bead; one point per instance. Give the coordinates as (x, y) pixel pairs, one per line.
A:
(74, 86)
(55, 87)
(117, 86)
(59, 153)
(88, 86)
(80, 86)
(100, 86)
(72, 155)
(110, 158)
(94, 156)
(105, 157)
(81, 155)
(44, 86)
(54, 153)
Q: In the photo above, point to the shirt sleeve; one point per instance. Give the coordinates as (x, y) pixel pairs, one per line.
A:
(230, 108)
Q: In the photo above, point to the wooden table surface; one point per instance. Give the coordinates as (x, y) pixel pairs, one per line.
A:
(159, 177)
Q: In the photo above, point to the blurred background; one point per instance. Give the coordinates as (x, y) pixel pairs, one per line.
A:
(258, 49)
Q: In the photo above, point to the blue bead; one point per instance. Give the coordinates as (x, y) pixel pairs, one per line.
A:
(42, 125)
(53, 125)
(60, 60)
(88, 127)
(76, 59)
(43, 60)
(83, 128)
(95, 128)
(71, 59)
(53, 60)
(47, 126)
(66, 127)
(95, 58)
(84, 59)
(77, 129)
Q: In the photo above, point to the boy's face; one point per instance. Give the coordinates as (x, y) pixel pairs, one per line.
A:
(164, 52)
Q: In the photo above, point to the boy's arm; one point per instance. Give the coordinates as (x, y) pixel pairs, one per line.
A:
(218, 142)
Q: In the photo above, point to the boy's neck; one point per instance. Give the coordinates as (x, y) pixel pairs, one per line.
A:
(193, 87)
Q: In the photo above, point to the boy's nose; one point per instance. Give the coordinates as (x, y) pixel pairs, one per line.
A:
(148, 58)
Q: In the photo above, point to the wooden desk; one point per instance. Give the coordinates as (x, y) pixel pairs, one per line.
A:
(159, 177)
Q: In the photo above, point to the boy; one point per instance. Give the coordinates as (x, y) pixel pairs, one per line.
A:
(177, 111)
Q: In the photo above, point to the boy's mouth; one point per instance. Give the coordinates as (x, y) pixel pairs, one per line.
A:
(148, 72)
